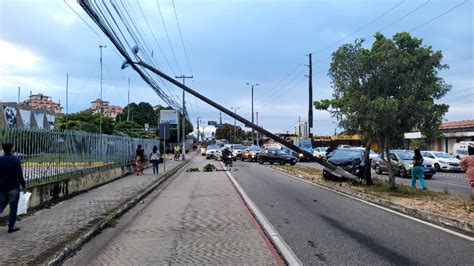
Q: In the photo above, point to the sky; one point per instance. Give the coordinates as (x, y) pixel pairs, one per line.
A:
(227, 44)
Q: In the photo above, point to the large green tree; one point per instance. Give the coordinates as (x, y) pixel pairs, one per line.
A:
(86, 121)
(387, 90)
(141, 114)
(231, 133)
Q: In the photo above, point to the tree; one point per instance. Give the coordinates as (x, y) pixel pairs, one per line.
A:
(86, 121)
(387, 90)
(227, 132)
(142, 114)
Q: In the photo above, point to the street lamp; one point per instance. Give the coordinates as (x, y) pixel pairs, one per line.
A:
(252, 85)
(235, 122)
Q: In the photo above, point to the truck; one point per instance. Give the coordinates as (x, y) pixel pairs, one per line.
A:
(460, 149)
(306, 145)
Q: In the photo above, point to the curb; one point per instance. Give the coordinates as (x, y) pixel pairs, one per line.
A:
(456, 225)
(85, 234)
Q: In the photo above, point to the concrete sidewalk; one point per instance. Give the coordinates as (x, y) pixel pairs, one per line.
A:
(48, 231)
(199, 218)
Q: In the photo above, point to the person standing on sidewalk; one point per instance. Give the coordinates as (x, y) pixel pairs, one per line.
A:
(417, 170)
(467, 164)
(155, 159)
(11, 178)
(139, 157)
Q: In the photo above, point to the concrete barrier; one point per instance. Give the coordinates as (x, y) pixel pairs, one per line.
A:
(55, 191)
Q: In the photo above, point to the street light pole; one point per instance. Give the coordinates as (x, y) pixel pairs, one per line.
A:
(235, 122)
(101, 100)
(252, 85)
(184, 113)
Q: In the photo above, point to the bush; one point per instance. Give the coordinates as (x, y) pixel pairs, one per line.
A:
(209, 168)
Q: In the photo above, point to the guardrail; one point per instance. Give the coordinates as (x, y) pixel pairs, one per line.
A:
(50, 155)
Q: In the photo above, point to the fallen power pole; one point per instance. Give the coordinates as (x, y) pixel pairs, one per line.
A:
(247, 123)
(85, 4)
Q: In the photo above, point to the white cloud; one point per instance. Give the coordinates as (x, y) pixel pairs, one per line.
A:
(64, 18)
(14, 58)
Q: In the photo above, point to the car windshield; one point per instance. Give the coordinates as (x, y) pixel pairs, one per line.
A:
(346, 153)
(305, 144)
(405, 155)
(323, 149)
(238, 147)
(212, 147)
(255, 149)
(442, 155)
(281, 152)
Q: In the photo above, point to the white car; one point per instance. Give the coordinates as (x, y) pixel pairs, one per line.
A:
(320, 152)
(441, 161)
(210, 151)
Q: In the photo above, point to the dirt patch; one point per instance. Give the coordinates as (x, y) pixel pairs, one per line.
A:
(440, 203)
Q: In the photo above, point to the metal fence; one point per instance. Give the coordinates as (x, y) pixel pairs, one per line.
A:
(53, 155)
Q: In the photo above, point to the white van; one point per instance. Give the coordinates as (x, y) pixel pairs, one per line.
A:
(460, 149)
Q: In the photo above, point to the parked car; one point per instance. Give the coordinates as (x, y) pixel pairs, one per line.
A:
(441, 161)
(276, 156)
(210, 151)
(351, 160)
(342, 146)
(402, 164)
(251, 153)
(320, 152)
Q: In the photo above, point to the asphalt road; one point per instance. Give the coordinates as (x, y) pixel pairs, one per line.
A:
(323, 227)
(455, 183)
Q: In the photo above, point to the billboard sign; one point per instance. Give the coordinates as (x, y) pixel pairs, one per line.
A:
(168, 117)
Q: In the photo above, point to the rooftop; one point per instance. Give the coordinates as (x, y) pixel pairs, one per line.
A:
(461, 123)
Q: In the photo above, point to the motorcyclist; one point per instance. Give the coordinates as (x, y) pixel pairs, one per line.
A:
(226, 153)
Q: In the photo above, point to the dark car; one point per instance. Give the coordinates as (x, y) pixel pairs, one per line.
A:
(402, 164)
(251, 153)
(351, 160)
(276, 156)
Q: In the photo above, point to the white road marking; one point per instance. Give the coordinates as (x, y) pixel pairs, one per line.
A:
(281, 245)
(383, 208)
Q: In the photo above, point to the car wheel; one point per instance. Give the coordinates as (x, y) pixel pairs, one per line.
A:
(404, 173)
(428, 176)
(271, 162)
(378, 170)
(326, 175)
(282, 162)
(242, 158)
(437, 168)
(292, 163)
(260, 161)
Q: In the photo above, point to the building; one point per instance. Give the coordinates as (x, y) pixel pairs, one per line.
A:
(40, 101)
(452, 132)
(107, 110)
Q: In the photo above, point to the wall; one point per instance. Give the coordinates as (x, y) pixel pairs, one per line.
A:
(59, 190)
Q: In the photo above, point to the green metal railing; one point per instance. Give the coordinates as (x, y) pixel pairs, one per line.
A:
(54, 155)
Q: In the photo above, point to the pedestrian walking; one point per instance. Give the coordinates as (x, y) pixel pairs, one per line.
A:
(467, 164)
(176, 152)
(11, 178)
(417, 170)
(139, 158)
(155, 159)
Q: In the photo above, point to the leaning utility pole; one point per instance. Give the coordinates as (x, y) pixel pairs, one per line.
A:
(310, 100)
(184, 113)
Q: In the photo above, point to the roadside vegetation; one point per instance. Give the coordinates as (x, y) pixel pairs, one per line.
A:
(441, 203)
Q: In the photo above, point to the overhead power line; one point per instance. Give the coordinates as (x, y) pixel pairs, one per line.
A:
(440, 15)
(181, 36)
(363, 27)
(167, 36)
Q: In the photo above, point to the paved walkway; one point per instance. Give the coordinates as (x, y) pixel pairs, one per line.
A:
(198, 219)
(49, 229)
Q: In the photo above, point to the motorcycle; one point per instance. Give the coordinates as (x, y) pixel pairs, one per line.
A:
(228, 160)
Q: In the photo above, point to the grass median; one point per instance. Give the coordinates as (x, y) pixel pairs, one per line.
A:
(441, 203)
